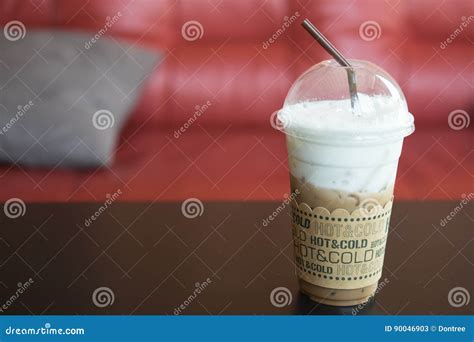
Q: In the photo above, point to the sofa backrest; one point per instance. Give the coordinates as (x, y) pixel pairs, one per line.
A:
(247, 53)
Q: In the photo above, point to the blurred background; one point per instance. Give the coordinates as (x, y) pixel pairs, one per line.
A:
(166, 100)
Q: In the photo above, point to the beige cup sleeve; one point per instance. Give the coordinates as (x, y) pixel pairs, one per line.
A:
(338, 249)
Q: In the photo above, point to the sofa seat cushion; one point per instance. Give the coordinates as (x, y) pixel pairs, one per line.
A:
(231, 163)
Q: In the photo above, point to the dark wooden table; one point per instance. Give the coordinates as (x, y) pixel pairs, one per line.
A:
(150, 258)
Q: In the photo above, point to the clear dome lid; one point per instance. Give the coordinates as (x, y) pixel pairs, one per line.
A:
(318, 105)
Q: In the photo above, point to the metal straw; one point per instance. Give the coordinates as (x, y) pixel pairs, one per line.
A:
(331, 49)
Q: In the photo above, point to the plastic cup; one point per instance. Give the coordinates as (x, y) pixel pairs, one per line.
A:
(343, 167)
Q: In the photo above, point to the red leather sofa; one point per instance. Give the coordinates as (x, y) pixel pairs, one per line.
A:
(232, 152)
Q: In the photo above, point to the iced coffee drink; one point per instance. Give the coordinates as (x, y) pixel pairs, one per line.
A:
(343, 163)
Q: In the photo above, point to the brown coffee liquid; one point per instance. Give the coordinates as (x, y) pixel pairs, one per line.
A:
(332, 199)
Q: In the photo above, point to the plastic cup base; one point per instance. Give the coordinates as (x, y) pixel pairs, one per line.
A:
(336, 297)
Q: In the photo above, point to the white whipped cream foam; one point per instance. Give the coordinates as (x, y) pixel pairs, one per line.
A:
(331, 147)
(377, 117)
